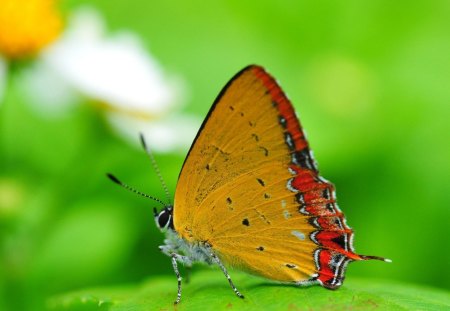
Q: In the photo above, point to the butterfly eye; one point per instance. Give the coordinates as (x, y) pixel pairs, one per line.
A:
(164, 219)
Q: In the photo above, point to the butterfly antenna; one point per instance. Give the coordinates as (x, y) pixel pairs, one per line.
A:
(155, 167)
(117, 181)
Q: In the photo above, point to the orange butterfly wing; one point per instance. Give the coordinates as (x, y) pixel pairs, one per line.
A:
(250, 188)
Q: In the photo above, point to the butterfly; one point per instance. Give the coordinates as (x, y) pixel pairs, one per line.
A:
(250, 196)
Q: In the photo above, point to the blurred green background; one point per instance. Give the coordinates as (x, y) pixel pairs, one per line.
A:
(370, 81)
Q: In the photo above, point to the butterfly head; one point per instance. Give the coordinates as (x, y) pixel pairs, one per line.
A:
(164, 218)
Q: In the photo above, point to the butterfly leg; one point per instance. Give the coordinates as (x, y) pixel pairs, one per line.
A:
(183, 259)
(225, 272)
(177, 273)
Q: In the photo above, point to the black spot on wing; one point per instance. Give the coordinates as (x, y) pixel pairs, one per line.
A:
(326, 194)
(265, 150)
(289, 141)
(290, 266)
(300, 198)
(313, 221)
(330, 207)
(282, 121)
(340, 240)
(303, 158)
(229, 204)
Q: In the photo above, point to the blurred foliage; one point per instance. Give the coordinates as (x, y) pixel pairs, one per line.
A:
(370, 81)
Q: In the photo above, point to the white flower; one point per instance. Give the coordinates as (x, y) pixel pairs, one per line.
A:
(117, 72)
(175, 132)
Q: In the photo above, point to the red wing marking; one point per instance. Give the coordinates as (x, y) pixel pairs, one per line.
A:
(315, 195)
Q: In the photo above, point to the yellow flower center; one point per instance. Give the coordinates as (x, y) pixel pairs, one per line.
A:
(27, 26)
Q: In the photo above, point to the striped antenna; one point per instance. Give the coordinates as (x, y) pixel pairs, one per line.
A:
(123, 185)
(155, 167)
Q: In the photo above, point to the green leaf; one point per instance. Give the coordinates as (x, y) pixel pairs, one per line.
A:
(209, 290)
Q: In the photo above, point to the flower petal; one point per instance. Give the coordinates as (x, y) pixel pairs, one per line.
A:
(49, 94)
(175, 133)
(114, 70)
